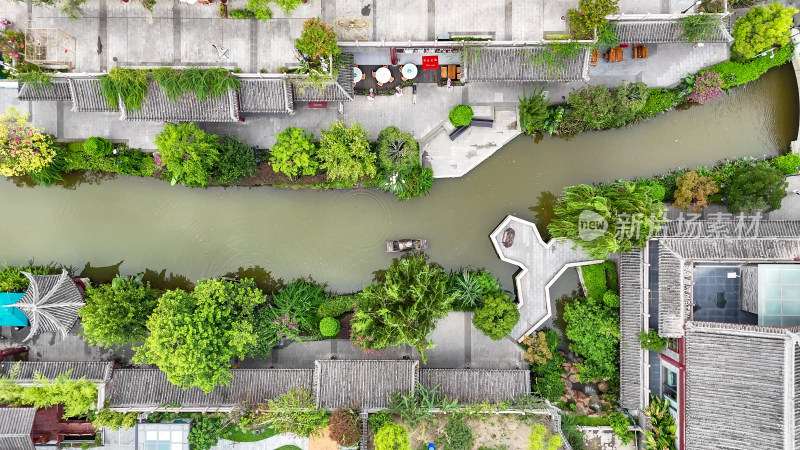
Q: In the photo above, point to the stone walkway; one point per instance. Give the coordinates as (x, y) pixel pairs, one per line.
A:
(541, 264)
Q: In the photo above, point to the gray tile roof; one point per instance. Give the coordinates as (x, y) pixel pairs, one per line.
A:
(740, 387)
(340, 90)
(87, 96)
(98, 372)
(691, 229)
(660, 32)
(515, 64)
(57, 91)
(756, 249)
(672, 302)
(188, 108)
(478, 385)
(631, 311)
(148, 389)
(266, 95)
(363, 384)
(15, 428)
(51, 303)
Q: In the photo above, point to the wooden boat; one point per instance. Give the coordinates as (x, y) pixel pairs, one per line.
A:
(403, 245)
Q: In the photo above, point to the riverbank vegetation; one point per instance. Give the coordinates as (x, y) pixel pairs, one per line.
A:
(343, 157)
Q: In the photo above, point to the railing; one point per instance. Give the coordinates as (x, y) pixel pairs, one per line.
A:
(455, 44)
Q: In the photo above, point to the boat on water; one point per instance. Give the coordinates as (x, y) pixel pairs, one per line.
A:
(404, 245)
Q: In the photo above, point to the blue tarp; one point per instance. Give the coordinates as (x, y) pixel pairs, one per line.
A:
(10, 316)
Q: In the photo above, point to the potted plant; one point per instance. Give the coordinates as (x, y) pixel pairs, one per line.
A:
(223, 9)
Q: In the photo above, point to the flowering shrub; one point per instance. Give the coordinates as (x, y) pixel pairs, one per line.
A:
(12, 46)
(23, 148)
(707, 87)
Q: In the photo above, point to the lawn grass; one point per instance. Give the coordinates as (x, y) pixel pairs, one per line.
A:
(586, 421)
(238, 435)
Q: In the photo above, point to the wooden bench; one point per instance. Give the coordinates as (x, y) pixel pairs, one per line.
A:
(444, 72)
(486, 123)
(451, 72)
(639, 51)
(595, 57)
(458, 132)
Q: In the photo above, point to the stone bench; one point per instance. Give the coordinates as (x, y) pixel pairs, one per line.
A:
(458, 132)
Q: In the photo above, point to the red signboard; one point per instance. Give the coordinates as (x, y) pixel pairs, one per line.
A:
(430, 62)
(318, 105)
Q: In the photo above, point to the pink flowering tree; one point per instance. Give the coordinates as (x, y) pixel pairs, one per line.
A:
(23, 148)
(403, 308)
(707, 87)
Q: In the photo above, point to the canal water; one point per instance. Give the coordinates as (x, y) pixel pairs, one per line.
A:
(338, 237)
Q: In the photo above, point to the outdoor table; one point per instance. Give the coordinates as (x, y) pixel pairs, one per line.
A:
(409, 71)
(383, 75)
(356, 74)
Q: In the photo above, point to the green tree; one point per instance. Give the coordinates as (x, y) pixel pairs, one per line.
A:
(403, 308)
(236, 161)
(589, 15)
(496, 317)
(260, 9)
(345, 153)
(318, 40)
(620, 424)
(114, 420)
(760, 187)
(408, 182)
(77, 396)
(116, 314)
(294, 153)
(762, 28)
(593, 329)
(194, 335)
(392, 436)
(288, 6)
(189, 153)
(615, 205)
(533, 111)
(396, 150)
(204, 433)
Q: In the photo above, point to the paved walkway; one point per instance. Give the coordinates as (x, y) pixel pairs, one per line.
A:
(270, 443)
(541, 263)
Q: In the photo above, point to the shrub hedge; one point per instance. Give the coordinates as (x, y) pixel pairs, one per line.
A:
(738, 73)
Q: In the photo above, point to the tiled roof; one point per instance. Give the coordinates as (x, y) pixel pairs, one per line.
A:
(362, 384)
(57, 91)
(266, 95)
(51, 303)
(87, 96)
(187, 108)
(15, 428)
(149, 389)
(631, 311)
(660, 31)
(740, 387)
(339, 90)
(517, 64)
(478, 385)
(691, 229)
(671, 300)
(98, 372)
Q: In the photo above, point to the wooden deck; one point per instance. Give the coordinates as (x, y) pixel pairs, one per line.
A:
(541, 263)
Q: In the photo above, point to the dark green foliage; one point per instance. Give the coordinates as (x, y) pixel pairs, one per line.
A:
(241, 14)
(116, 314)
(408, 182)
(659, 101)
(755, 188)
(598, 108)
(595, 280)
(329, 326)
(460, 115)
(337, 306)
(293, 412)
(378, 420)
(611, 299)
(652, 341)
(78, 397)
(114, 420)
(205, 83)
(457, 436)
(607, 35)
(403, 308)
(620, 424)
(699, 27)
(204, 433)
(735, 73)
(574, 435)
(546, 364)
(51, 173)
(466, 289)
(416, 406)
(12, 279)
(236, 161)
(590, 14)
(661, 432)
(496, 317)
(125, 161)
(533, 112)
(396, 150)
(555, 114)
(189, 153)
(98, 147)
(300, 300)
(788, 164)
(593, 331)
